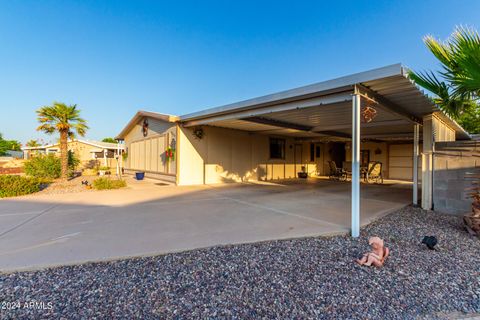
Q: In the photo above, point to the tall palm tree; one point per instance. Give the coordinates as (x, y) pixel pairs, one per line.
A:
(64, 119)
(459, 56)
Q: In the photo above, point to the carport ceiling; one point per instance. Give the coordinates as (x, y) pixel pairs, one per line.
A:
(320, 121)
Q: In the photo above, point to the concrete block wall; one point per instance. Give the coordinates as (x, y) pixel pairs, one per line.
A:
(452, 162)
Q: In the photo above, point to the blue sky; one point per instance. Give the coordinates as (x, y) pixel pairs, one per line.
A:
(113, 58)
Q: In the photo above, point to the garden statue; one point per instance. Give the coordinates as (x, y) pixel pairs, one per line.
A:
(378, 254)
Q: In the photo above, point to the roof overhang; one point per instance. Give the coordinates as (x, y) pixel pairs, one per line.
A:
(324, 108)
(142, 114)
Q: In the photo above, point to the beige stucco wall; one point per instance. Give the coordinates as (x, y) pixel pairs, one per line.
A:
(148, 153)
(227, 155)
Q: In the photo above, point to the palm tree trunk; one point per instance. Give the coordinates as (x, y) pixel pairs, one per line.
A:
(64, 153)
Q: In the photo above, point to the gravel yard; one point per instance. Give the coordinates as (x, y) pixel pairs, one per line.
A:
(73, 185)
(301, 278)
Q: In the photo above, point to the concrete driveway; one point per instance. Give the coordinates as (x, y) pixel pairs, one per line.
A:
(145, 218)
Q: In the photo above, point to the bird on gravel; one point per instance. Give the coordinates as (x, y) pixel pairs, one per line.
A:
(85, 182)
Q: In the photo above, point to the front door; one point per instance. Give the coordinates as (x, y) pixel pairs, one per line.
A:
(297, 158)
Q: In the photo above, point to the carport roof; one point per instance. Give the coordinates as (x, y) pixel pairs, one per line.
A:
(296, 112)
(388, 84)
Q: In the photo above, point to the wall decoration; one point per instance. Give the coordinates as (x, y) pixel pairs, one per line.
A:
(145, 127)
(198, 133)
(170, 154)
(368, 113)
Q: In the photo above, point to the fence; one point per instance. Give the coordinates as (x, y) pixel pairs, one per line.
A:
(452, 161)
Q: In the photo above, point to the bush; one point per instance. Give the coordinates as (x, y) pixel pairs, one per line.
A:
(49, 166)
(11, 186)
(73, 161)
(44, 166)
(107, 183)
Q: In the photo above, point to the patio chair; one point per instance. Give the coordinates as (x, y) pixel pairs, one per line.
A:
(336, 173)
(374, 172)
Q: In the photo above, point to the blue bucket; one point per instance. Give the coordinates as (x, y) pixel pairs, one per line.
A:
(139, 175)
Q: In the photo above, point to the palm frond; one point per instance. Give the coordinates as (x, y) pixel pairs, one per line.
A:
(61, 117)
(465, 43)
(443, 97)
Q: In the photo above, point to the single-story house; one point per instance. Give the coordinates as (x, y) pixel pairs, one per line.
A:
(90, 153)
(376, 115)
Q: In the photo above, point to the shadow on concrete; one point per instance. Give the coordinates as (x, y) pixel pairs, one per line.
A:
(149, 219)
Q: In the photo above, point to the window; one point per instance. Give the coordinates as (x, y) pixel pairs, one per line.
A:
(277, 148)
(317, 151)
(312, 152)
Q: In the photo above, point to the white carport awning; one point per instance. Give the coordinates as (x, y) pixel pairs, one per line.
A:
(324, 109)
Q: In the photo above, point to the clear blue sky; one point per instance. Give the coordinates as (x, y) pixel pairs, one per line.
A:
(113, 58)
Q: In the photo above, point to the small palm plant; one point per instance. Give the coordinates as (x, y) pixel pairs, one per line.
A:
(64, 119)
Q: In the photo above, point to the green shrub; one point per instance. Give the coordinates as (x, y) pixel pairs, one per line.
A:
(49, 166)
(11, 186)
(44, 166)
(108, 183)
(73, 161)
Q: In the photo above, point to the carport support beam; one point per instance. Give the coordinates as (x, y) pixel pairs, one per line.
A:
(356, 105)
(416, 152)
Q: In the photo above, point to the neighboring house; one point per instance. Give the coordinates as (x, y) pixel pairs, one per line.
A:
(90, 153)
(279, 135)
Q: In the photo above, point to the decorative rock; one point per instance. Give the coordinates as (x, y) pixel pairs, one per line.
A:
(299, 278)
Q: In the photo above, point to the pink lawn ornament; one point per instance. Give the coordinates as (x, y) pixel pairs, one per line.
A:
(377, 256)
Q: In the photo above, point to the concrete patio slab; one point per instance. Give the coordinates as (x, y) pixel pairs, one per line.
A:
(144, 219)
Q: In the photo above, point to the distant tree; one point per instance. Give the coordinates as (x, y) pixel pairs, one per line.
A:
(14, 145)
(8, 145)
(110, 140)
(33, 143)
(3, 146)
(66, 120)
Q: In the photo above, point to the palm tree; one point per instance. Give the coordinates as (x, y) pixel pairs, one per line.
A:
(32, 143)
(64, 119)
(459, 90)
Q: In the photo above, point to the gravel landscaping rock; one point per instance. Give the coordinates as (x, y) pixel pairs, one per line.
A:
(300, 278)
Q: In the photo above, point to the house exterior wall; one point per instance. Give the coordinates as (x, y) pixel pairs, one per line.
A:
(148, 153)
(227, 155)
(400, 162)
(83, 151)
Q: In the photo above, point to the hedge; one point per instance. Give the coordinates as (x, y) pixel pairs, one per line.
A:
(108, 183)
(49, 166)
(11, 186)
(44, 166)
